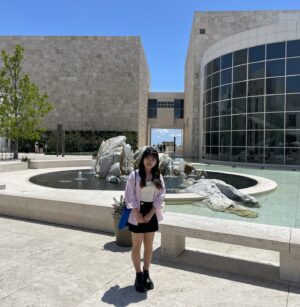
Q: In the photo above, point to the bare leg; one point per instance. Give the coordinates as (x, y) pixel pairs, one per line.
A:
(137, 239)
(148, 248)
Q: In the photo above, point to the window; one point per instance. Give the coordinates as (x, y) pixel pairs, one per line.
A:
(214, 123)
(225, 123)
(215, 139)
(275, 103)
(152, 108)
(255, 104)
(256, 87)
(225, 107)
(255, 138)
(275, 68)
(274, 138)
(226, 61)
(215, 79)
(240, 73)
(215, 109)
(239, 106)
(225, 92)
(257, 53)
(274, 120)
(256, 70)
(239, 89)
(275, 86)
(293, 102)
(293, 120)
(226, 76)
(276, 50)
(293, 48)
(293, 66)
(292, 138)
(238, 138)
(240, 57)
(215, 65)
(225, 139)
(293, 84)
(239, 122)
(178, 108)
(152, 113)
(255, 121)
(202, 31)
(215, 94)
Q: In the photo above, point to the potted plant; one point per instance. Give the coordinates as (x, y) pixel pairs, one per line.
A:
(123, 236)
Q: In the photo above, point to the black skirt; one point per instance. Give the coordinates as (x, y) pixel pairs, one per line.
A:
(151, 226)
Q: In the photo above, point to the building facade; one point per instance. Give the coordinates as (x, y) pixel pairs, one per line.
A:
(95, 83)
(242, 87)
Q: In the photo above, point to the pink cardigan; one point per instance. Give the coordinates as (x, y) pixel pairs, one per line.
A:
(133, 197)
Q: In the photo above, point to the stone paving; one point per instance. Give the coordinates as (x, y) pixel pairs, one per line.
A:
(48, 265)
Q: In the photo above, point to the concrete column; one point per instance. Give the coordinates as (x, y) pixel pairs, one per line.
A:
(171, 244)
(290, 267)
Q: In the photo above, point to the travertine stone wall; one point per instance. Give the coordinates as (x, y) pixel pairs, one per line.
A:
(218, 25)
(96, 83)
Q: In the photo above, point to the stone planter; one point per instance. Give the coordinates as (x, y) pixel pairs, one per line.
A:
(123, 237)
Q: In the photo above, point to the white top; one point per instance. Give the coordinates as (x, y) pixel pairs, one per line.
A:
(147, 192)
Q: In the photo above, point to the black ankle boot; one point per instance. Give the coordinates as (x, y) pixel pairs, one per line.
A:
(147, 280)
(139, 282)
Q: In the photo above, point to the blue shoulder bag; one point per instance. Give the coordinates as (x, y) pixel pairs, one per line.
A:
(125, 213)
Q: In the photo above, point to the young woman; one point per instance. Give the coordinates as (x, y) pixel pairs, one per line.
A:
(144, 194)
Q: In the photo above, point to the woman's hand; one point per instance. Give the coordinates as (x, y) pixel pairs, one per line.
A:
(149, 215)
(139, 217)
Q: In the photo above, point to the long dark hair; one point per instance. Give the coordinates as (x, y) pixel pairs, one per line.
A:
(150, 151)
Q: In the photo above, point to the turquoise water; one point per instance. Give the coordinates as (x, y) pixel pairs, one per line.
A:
(281, 207)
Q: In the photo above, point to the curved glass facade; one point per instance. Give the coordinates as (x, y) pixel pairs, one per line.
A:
(251, 106)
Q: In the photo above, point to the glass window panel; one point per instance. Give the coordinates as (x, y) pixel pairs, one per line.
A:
(275, 86)
(255, 121)
(239, 106)
(214, 155)
(239, 138)
(293, 48)
(178, 113)
(152, 103)
(215, 123)
(209, 68)
(152, 113)
(274, 138)
(208, 110)
(257, 53)
(238, 154)
(226, 92)
(207, 139)
(293, 66)
(256, 70)
(293, 102)
(255, 155)
(225, 123)
(240, 57)
(178, 103)
(206, 154)
(293, 84)
(240, 73)
(225, 153)
(255, 104)
(226, 60)
(239, 122)
(207, 124)
(215, 79)
(274, 155)
(225, 107)
(275, 103)
(256, 87)
(215, 109)
(292, 156)
(225, 139)
(255, 138)
(208, 82)
(226, 76)
(215, 94)
(292, 138)
(215, 139)
(239, 89)
(275, 68)
(208, 96)
(293, 120)
(215, 65)
(274, 120)
(276, 50)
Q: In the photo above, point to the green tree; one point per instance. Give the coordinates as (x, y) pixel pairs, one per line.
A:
(22, 106)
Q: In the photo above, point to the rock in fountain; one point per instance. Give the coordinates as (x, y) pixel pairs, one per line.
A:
(114, 158)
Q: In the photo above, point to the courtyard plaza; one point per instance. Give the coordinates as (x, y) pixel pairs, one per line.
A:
(51, 265)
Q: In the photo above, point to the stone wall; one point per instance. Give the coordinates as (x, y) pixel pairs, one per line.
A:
(96, 83)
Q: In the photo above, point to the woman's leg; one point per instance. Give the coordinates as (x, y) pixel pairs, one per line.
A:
(137, 239)
(148, 248)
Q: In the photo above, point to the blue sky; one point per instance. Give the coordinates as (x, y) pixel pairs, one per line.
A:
(163, 25)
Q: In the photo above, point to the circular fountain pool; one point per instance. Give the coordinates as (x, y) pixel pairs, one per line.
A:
(86, 180)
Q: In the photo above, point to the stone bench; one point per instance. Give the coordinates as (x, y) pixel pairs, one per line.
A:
(176, 227)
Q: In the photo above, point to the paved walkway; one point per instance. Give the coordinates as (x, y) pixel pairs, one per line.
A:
(47, 265)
